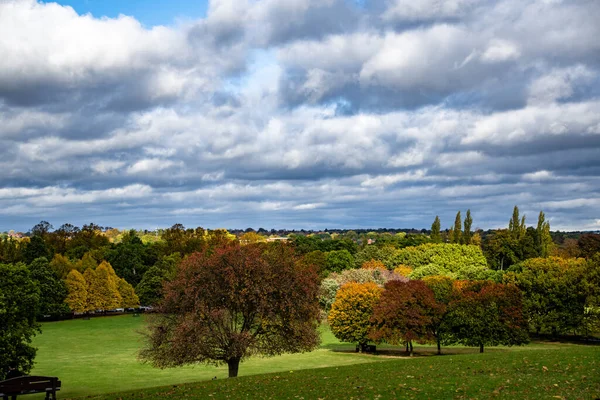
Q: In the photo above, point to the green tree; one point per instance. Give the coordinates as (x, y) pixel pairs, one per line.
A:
(467, 234)
(19, 300)
(516, 226)
(77, 292)
(350, 314)
(457, 231)
(543, 238)
(233, 302)
(554, 291)
(35, 248)
(338, 260)
(436, 236)
(443, 288)
(485, 313)
(405, 312)
(52, 289)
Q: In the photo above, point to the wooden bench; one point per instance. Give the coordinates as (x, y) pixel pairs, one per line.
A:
(28, 385)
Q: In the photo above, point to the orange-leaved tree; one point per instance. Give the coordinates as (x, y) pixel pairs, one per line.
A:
(233, 302)
(349, 318)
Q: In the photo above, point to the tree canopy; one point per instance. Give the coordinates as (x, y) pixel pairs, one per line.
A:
(232, 303)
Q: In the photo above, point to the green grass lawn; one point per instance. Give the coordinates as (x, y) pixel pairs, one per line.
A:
(98, 357)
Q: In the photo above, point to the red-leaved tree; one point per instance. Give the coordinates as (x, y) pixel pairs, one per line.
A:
(405, 312)
(232, 303)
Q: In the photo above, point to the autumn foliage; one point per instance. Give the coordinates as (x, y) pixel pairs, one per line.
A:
(406, 312)
(234, 302)
(349, 318)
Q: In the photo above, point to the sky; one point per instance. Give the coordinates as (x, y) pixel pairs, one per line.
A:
(299, 114)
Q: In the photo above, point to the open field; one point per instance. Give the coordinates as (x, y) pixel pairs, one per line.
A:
(98, 356)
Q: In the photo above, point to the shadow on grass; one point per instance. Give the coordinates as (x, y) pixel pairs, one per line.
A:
(398, 352)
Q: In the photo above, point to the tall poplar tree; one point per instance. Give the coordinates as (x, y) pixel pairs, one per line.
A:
(516, 226)
(436, 236)
(467, 231)
(457, 232)
(543, 240)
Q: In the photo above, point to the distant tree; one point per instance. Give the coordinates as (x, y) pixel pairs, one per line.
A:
(501, 250)
(554, 291)
(61, 265)
(516, 226)
(436, 236)
(405, 312)
(18, 308)
(457, 231)
(467, 234)
(317, 259)
(107, 286)
(374, 264)
(234, 302)
(127, 258)
(86, 262)
(589, 244)
(41, 229)
(35, 248)
(543, 240)
(484, 313)
(95, 300)
(338, 260)
(350, 314)
(328, 291)
(128, 297)
(251, 237)
(77, 293)
(52, 289)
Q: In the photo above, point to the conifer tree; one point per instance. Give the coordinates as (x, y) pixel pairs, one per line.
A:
(516, 226)
(94, 296)
(457, 232)
(436, 236)
(467, 231)
(128, 296)
(109, 295)
(77, 298)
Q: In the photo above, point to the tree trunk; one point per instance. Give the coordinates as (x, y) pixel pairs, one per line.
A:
(439, 346)
(481, 347)
(234, 365)
(407, 347)
(411, 348)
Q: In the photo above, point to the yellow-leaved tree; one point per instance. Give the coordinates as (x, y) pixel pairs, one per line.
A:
(107, 285)
(128, 296)
(349, 318)
(77, 292)
(94, 300)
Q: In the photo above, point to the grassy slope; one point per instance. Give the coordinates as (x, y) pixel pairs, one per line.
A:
(99, 356)
(564, 372)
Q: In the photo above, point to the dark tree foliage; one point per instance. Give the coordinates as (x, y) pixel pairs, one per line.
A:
(232, 303)
(53, 290)
(19, 301)
(485, 313)
(307, 244)
(127, 258)
(589, 244)
(36, 248)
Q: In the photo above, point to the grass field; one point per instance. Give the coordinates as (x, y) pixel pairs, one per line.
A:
(98, 357)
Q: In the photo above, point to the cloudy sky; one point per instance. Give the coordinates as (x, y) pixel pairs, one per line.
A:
(299, 113)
